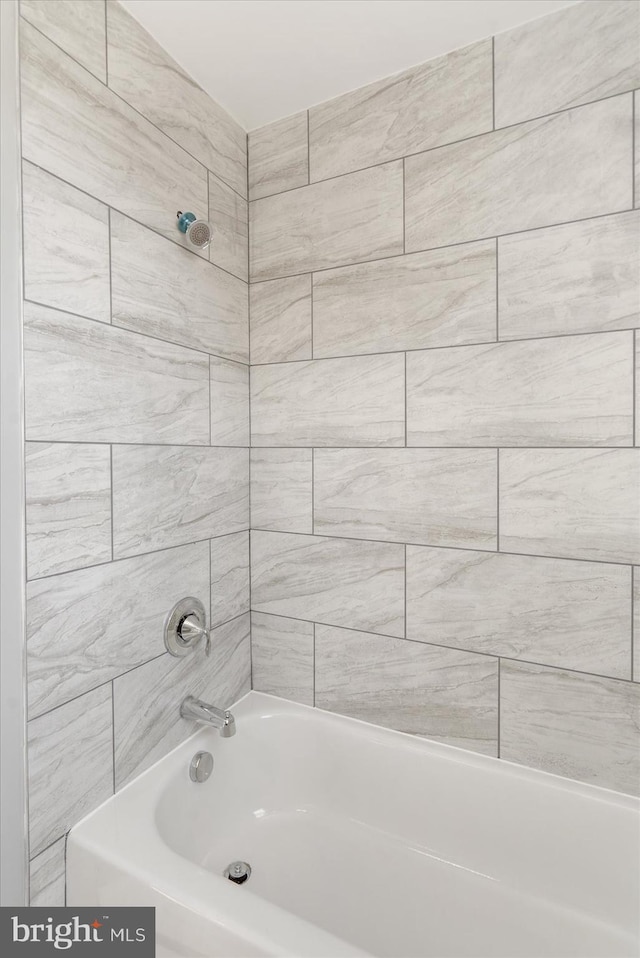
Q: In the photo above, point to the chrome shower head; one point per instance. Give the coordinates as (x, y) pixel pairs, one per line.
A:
(198, 232)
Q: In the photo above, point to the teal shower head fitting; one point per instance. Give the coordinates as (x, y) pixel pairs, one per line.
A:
(198, 232)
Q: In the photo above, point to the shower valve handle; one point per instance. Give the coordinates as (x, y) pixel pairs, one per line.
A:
(190, 631)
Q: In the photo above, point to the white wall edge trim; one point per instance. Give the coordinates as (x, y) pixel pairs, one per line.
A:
(13, 756)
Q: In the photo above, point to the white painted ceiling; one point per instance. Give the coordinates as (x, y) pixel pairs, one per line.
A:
(265, 59)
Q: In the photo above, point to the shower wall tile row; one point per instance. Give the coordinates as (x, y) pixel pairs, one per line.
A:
(46, 876)
(166, 292)
(137, 407)
(275, 639)
(68, 494)
(146, 77)
(279, 156)
(445, 490)
(586, 52)
(440, 693)
(66, 246)
(166, 495)
(78, 28)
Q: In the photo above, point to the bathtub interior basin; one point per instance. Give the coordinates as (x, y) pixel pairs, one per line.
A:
(362, 841)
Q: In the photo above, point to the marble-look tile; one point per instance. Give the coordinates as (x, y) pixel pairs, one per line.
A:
(68, 501)
(142, 72)
(329, 402)
(79, 130)
(636, 623)
(47, 877)
(281, 320)
(346, 220)
(438, 298)
(580, 503)
(76, 26)
(565, 167)
(229, 403)
(431, 496)
(66, 246)
(282, 490)
(70, 753)
(229, 220)
(90, 382)
(587, 52)
(169, 495)
(571, 390)
(144, 736)
(229, 577)
(581, 726)
(167, 292)
(557, 612)
(282, 657)
(357, 584)
(80, 625)
(447, 98)
(442, 694)
(636, 143)
(279, 156)
(578, 278)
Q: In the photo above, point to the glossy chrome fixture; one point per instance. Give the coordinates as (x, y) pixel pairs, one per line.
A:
(186, 625)
(201, 767)
(198, 711)
(198, 232)
(238, 872)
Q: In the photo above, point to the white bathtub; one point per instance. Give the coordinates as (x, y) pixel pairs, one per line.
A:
(362, 841)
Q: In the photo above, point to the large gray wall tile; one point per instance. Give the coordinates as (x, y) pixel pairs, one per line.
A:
(229, 403)
(146, 76)
(143, 738)
(169, 495)
(70, 765)
(581, 503)
(282, 657)
(578, 278)
(552, 611)
(229, 577)
(445, 99)
(68, 499)
(90, 382)
(47, 877)
(353, 402)
(582, 726)
(76, 26)
(636, 623)
(66, 246)
(586, 52)
(279, 156)
(571, 390)
(438, 298)
(565, 167)
(346, 220)
(167, 292)
(442, 694)
(77, 129)
(431, 496)
(358, 584)
(282, 489)
(229, 220)
(636, 142)
(86, 627)
(281, 320)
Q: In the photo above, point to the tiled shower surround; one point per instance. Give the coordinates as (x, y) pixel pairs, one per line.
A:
(137, 407)
(445, 492)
